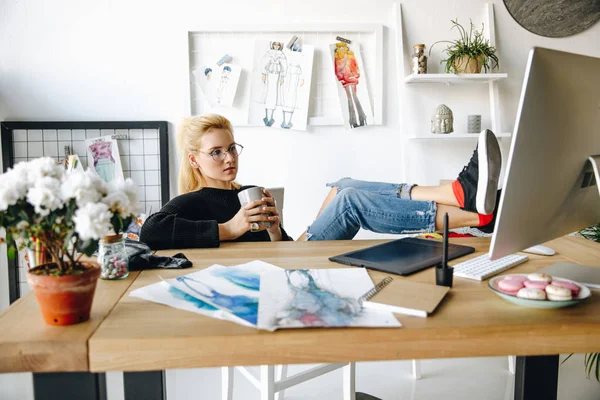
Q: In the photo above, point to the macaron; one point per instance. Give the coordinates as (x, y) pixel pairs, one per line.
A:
(558, 293)
(510, 285)
(539, 277)
(532, 294)
(535, 284)
(573, 287)
(515, 278)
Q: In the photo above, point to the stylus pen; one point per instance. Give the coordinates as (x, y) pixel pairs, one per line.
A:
(445, 243)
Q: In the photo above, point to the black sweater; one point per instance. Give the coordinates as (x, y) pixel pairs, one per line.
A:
(191, 221)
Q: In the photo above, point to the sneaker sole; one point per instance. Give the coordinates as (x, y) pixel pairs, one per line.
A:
(490, 164)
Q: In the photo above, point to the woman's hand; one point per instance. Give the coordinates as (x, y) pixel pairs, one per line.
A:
(243, 220)
(274, 230)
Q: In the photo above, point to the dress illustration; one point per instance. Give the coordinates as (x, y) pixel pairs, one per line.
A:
(313, 305)
(104, 163)
(347, 72)
(274, 69)
(223, 83)
(289, 93)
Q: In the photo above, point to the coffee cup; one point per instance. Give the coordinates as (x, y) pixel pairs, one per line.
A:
(252, 194)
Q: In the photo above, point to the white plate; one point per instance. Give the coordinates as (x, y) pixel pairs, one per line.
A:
(584, 293)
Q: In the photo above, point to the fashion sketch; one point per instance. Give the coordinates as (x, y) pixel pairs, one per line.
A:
(274, 70)
(103, 158)
(218, 83)
(348, 74)
(280, 85)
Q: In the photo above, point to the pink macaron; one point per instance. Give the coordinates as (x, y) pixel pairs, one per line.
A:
(574, 288)
(535, 284)
(515, 278)
(510, 286)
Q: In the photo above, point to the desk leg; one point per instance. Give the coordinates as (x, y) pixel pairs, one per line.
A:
(69, 386)
(536, 377)
(144, 385)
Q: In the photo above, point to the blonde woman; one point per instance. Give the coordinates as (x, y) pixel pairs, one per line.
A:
(208, 211)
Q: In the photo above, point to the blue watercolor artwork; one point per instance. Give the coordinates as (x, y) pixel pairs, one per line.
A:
(178, 294)
(241, 306)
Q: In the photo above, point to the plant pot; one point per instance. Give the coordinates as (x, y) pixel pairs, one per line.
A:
(65, 300)
(468, 65)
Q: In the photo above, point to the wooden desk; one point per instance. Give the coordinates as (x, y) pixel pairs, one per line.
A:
(137, 335)
(471, 322)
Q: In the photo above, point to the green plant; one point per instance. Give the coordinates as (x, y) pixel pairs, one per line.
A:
(591, 360)
(472, 45)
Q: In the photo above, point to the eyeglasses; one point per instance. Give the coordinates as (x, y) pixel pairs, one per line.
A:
(219, 154)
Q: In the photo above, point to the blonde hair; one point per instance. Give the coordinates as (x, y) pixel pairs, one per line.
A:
(189, 135)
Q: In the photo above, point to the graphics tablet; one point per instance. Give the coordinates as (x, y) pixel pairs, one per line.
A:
(402, 256)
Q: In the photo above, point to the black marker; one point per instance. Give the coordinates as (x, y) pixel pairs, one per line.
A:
(445, 244)
(444, 273)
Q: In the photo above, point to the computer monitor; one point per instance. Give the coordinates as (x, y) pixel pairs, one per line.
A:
(549, 187)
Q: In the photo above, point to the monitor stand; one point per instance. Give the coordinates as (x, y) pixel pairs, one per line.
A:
(589, 179)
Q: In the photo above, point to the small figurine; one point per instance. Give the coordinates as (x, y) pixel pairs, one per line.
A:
(442, 120)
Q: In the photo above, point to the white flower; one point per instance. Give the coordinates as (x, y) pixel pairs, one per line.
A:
(44, 196)
(86, 187)
(122, 198)
(92, 221)
(11, 189)
(40, 168)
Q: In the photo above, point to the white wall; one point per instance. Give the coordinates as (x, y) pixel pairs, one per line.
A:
(125, 60)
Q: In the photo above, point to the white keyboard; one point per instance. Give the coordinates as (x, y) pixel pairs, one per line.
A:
(480, 268)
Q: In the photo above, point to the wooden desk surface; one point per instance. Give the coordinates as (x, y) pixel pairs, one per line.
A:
(472, 321)
(27, 343)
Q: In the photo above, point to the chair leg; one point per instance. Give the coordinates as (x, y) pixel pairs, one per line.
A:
(267, 382)
(280, 374)
(416, 369)
(511, 364)
(350, 381)
(227, 383)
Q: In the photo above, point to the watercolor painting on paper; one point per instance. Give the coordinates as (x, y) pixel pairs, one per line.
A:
(352, 85)
(317, 298)
(103, 158)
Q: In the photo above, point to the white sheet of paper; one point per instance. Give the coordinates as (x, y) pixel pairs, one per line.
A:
(317, 297)
(280, 86)
(104, 159)
(352, 85)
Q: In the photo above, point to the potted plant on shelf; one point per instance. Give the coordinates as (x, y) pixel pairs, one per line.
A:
(469, 53)
(66, 214)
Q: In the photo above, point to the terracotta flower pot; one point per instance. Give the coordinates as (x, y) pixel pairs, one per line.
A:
(65, 300)
(468, 65)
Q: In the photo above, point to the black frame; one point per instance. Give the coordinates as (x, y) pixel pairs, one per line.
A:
(7, 128)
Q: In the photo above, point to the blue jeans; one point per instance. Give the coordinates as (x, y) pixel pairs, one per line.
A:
(375, 206)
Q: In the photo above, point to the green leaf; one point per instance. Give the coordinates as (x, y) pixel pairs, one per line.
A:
(12, 252)
(88, 247)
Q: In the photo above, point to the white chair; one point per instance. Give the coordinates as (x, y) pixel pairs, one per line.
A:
(273, 380)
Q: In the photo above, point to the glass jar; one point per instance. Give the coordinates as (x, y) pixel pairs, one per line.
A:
(419, 60)
(112, 257)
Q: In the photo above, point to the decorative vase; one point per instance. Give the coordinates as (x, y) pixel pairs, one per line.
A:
(468, 64)
(66, 299)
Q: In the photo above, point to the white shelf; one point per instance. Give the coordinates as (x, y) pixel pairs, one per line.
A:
(449, 79)
(453, 135)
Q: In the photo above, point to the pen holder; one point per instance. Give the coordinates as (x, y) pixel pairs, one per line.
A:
(443, 276)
